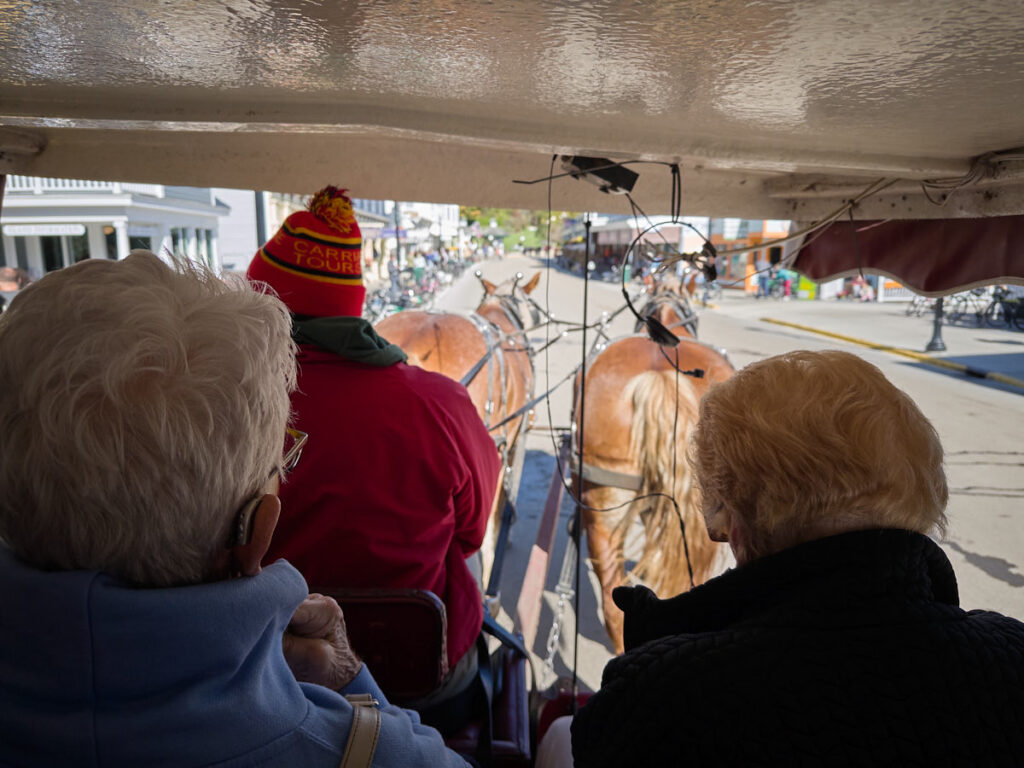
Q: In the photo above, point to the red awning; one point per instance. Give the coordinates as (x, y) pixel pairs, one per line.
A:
(932, 256)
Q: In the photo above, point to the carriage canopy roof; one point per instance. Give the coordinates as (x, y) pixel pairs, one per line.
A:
(779, 109)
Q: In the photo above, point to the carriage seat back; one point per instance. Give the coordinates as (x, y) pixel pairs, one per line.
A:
(401, 634)
(510, 717)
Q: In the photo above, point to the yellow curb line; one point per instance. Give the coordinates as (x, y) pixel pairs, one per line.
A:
(919, 356)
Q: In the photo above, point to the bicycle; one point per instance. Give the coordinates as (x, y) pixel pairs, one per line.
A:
(1003, 311)
(968, 307)
(919, 305)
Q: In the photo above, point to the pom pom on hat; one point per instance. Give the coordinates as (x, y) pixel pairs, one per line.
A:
(314, 261)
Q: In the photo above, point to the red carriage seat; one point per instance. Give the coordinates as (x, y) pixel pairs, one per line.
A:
(401, 635)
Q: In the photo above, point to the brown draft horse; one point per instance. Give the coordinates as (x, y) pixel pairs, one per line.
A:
(492, 341)
(634, 412)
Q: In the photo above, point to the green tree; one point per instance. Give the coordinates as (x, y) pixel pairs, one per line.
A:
(521, 227)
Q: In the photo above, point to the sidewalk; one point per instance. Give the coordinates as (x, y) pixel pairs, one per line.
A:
(975, 351)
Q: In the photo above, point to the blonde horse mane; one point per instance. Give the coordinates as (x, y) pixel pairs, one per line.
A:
(662, 564)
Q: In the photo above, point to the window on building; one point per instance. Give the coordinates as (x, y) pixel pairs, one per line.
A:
(738, 266)
(201, 253)
(53, 254)
(21, 253)
(110, 236)
(176, 242)
(78, 247)
(3, 253)
(144, 243)
(209, 247)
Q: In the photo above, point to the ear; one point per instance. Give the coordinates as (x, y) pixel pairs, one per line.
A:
(738, 543)
(489, 287)
(718, 524)
(248, 558)
(528, 288)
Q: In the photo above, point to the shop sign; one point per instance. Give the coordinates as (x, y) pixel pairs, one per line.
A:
(37, 230)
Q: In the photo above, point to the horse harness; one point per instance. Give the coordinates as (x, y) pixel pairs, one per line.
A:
(679, 305)
(493, 339)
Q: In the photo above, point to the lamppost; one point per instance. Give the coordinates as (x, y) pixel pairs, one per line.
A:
(936, 344)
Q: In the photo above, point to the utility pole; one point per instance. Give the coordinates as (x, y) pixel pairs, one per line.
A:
(398, 235)
(261, 219)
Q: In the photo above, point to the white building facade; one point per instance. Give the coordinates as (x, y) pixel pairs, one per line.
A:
(48, 224)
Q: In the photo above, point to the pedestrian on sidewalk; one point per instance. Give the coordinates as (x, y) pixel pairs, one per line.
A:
(393, 274)
(762, 267)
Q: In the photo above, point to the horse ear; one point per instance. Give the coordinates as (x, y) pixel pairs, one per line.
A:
(528, 288)
(489, 287)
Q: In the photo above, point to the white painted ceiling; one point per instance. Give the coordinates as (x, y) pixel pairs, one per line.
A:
(773, 108)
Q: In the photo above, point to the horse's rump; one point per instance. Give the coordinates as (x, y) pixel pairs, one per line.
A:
(444, 343)
(664, 406)
(640, 414)
(453, 345)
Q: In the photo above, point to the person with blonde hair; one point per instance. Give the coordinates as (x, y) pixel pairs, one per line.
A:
(143, 430)
(838, 639)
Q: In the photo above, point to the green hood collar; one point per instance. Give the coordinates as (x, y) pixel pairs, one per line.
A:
(352, 338)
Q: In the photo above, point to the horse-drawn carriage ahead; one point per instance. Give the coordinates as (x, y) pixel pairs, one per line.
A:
(890, 132)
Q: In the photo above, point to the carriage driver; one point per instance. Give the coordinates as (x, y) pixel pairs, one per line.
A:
(838, 639)
(399, 474)
(143, 415)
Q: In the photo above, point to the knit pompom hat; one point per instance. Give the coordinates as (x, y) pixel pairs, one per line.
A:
(314, 261)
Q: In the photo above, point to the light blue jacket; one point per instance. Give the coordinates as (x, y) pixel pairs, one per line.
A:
(96, 673)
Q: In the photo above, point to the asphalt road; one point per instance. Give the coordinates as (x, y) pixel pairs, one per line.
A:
(980, 422)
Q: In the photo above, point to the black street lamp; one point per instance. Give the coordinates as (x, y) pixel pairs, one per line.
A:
(937, 344)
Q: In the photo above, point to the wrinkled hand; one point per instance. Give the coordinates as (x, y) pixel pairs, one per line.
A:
(316, 644)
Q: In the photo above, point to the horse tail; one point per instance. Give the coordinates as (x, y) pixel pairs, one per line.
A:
(664, 416)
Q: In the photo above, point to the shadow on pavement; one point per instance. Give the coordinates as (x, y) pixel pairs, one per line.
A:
(979, 362)
(537, 472)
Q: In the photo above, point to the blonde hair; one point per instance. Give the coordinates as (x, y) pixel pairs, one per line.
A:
(809, 444)
(140, 407)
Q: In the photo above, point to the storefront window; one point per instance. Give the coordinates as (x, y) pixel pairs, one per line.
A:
(53, 254)
(738, 268)
(110, 236)
(78, 247)
(21, 253)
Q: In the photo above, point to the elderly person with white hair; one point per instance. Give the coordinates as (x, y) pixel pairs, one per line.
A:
(838, 639)
(143, 417)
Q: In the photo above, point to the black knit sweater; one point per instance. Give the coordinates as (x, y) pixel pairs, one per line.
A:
(846, 651)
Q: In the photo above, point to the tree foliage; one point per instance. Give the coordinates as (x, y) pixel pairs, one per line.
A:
(517, 226)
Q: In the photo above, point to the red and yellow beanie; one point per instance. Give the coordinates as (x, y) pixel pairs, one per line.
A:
(314, 262)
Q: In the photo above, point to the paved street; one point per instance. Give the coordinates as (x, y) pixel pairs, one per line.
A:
(981, 424)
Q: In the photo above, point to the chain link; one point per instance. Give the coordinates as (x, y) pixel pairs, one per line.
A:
(564, 596)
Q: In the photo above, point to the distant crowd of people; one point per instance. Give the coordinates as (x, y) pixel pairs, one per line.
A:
(183, 458)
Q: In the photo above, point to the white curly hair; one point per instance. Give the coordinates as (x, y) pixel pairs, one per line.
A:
(810, 444)
(140, 406)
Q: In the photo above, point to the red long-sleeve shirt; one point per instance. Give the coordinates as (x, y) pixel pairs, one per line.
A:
(394, 486)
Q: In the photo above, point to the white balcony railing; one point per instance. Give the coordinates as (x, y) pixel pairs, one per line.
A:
(39, 186)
